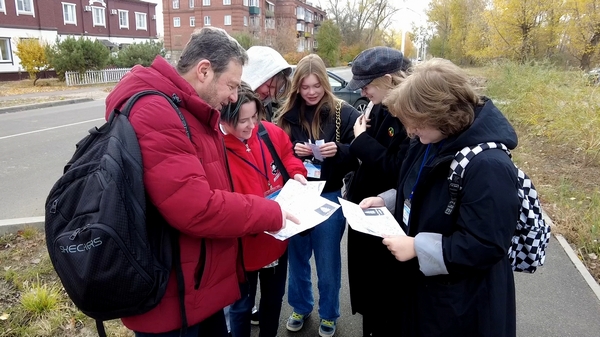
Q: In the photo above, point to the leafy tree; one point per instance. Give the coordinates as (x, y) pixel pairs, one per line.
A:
(74, 54)
(583, 30)
(33, 57)
(139, 53)
(329, 39)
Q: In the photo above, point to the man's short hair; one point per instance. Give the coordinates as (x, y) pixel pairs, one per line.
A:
(212, 44)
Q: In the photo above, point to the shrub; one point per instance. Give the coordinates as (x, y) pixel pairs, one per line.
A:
(77, 54)
(138, 53)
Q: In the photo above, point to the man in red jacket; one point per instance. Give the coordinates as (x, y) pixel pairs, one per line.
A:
(188, 181)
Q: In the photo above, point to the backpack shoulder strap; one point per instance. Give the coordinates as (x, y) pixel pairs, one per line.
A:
(459, 164)
(264, 135)
(172, 100)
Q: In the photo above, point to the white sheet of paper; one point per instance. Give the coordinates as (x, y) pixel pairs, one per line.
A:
(368, 110)
(306, 204)
(315, 148)
(377, 221)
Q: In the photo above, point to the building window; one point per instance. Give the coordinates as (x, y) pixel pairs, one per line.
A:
(69, 14)
(5, 52)
(226, 2)
(246, 3)
(2, 7)
(123, 19)
(192, 21)
(205, 2)
(245, 20)
(227, 20)
(175, 4)
(25, 7)
(254, 3)
(140, 21)
(207, 20)
(176, 22)
(99, 16)
(191, 3)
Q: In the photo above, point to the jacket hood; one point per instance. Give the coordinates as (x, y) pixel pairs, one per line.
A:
(263, 63)
(489, 125)
(160, 76)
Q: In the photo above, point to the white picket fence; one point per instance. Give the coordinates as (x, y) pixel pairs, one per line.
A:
(95, 76)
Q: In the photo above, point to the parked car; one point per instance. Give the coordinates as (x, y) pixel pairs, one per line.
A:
(338, 85)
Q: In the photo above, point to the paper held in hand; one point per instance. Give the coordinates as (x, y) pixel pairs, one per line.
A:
(305, 203)
(377, 221)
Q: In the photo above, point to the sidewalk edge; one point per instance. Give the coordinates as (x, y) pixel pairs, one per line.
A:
(579, 265)
(17, 108)
(14, 225)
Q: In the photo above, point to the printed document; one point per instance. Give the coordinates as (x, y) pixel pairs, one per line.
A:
(377, 221)
(305, 203)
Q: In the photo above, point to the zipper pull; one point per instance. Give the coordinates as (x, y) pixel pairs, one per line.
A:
(74, 235)
(54, 206)
(247, 147)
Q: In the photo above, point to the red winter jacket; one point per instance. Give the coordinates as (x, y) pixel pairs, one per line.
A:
(189, 184)
(261, 249)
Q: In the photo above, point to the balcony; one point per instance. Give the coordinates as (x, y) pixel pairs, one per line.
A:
(254, 10)
(300, 27)
(269, 14)
(307, 34)
(317, 22)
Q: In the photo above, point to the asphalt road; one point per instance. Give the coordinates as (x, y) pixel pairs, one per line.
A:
(34, 147)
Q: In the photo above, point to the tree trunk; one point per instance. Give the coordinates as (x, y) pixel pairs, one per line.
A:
(589, 52)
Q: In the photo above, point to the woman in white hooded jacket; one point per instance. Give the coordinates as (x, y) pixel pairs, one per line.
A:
(268, 74)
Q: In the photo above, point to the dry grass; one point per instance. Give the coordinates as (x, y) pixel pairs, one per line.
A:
(48, 85)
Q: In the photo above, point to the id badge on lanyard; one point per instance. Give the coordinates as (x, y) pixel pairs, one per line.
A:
(406, 211)
(313, 170)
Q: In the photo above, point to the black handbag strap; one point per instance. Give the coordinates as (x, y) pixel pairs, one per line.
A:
(262, 132)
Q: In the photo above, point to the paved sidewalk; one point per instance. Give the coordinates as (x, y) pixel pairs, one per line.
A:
(87, 91)
(63, 97)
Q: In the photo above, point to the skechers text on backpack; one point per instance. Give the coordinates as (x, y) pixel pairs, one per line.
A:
(111, 248)
(532, 234)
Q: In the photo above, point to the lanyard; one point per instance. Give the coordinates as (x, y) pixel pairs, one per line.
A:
(252, 165)
(420, 169)
(423, 163)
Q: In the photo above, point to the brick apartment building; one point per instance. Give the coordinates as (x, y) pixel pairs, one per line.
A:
(263, 19)
(114, 22)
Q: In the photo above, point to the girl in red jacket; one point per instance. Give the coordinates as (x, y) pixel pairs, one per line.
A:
(254, 171)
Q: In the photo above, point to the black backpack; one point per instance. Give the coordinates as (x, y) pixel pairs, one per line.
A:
(111, 248)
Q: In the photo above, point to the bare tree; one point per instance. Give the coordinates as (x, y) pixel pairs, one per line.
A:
(361, 20)
(284, 40)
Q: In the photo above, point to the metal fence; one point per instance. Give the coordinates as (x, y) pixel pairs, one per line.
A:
(95, 76)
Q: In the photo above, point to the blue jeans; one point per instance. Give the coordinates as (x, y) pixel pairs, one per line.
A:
(213, 326)
(272, 289)
(324, 240)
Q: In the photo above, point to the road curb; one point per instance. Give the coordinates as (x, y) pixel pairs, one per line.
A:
(589, 279)
(17, 108)
(15, 225)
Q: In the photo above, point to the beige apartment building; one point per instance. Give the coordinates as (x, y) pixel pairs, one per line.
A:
(281, 24)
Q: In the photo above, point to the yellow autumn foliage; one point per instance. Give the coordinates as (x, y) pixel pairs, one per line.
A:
(33, 56)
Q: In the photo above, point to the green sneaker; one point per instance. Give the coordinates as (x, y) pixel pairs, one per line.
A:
(327, 328)
(296, 321)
